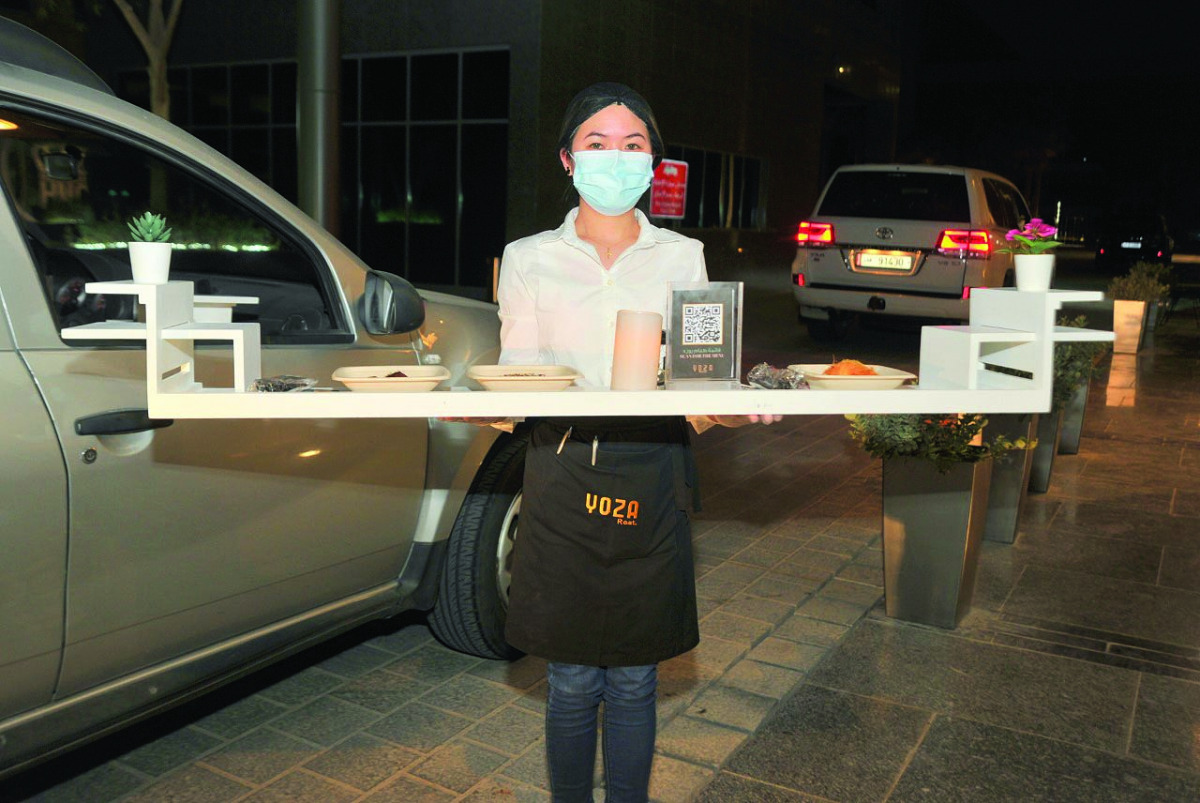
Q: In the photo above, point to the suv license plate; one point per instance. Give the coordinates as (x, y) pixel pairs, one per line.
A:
(1131, 244)
(885, 261)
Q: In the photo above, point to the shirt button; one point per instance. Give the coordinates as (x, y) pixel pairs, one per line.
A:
(608, 282)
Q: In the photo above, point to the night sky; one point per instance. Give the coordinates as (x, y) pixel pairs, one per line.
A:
(1110, 95)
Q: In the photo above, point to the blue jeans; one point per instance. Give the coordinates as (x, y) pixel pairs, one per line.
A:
(576, 692)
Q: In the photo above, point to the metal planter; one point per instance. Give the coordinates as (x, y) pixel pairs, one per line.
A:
(1049, 427)
(1072, 423)
(932, 527)
(1010, 477)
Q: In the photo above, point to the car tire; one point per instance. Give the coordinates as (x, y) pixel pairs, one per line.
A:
(830, 330)
(472, 604)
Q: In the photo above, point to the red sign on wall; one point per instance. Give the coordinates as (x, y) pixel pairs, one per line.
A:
(668, 193)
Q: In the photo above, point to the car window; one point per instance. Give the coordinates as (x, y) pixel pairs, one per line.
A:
(897, 195)
(1007, 206)
(73, 189)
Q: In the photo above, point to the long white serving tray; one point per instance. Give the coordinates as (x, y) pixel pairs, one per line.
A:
(1009, 330)
(461, 402)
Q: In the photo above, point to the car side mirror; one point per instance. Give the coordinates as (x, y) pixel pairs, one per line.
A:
(61, 166)
(390, 305)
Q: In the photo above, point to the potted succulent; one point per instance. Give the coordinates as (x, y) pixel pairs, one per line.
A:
(936, 481)
(1131, 295)
(149, 248)
(1030, 247)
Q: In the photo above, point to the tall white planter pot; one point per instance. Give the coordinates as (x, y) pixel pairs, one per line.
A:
(1129, 323)
(150, 262)
(1034, 271)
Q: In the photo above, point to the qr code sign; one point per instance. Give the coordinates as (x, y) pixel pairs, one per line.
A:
(703, 325)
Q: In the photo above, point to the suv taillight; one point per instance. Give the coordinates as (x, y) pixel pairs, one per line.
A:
(974, 243)
(811, 233)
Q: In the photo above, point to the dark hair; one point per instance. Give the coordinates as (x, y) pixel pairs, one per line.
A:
(600, 96)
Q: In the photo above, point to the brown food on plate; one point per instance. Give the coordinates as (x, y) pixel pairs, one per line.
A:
(524, 374)
(397, 375)
(849, 368)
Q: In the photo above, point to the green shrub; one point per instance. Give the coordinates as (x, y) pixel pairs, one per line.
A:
(1145, 281)
(1073, 362)
(946, 440)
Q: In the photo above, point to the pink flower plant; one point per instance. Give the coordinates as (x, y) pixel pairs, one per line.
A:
(1036, 238)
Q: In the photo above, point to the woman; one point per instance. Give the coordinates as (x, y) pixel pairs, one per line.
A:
(602, 579)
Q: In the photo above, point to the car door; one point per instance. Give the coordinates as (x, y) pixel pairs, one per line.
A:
(33, 537)
(185, 536)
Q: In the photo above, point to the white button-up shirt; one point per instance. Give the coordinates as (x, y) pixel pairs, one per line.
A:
(558, 304)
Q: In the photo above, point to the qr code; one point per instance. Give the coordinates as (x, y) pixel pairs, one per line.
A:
(703, 325)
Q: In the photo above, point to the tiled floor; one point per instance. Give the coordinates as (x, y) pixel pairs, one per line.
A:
(1076, 677)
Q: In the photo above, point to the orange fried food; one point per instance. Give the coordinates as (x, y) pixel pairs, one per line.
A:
(849, 368)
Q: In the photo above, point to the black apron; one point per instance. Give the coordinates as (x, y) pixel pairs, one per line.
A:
(602, 564)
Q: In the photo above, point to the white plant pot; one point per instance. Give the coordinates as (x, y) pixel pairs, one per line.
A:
(1034, 271)
(150, 262)
(1129, 320)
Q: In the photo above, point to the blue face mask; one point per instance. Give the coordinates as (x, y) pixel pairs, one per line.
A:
(612, 181)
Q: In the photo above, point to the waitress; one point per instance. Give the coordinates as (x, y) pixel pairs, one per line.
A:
(603, 584)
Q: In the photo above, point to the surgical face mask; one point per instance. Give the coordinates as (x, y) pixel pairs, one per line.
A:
(612, 181)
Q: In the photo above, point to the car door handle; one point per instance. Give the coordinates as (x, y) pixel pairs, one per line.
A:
(119, 422)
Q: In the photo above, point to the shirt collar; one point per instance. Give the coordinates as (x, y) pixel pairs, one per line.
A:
(648, 233)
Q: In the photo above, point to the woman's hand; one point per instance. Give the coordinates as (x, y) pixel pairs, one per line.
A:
(742, 420)
(477, 421)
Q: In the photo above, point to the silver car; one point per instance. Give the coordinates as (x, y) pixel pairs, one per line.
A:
(143, 561)
(908, 240)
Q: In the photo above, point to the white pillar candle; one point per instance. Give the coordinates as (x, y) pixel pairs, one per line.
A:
(636, 350)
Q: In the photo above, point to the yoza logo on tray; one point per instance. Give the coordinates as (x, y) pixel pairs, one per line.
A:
(625, 511)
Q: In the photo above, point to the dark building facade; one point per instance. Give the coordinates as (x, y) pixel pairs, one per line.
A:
(450, 108)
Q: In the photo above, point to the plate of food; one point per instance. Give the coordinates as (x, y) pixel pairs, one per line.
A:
(391, 378)
(852, 375)
(523, 377)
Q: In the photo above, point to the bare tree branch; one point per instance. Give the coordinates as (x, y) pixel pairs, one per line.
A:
(135, 24)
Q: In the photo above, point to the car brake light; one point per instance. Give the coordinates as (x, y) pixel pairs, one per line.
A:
(973, 243)
(967, 292)
(798, 279)
(811, 233)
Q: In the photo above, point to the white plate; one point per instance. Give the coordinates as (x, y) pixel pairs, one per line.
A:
(884, 378)
(375, 379)
(523, 377)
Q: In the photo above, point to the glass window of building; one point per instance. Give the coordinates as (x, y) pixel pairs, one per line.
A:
(424, 151)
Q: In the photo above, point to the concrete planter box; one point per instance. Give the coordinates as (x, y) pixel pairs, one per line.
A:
(932, 527)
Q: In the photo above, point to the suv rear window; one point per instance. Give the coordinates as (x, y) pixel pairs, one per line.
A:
(905, 196)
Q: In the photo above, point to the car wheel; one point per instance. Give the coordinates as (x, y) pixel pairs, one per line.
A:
(826, 331)
(472, 603)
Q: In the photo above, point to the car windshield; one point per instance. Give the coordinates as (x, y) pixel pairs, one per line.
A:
(897, 195)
